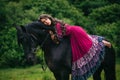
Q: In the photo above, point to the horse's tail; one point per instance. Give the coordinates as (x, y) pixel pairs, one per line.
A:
(109, 63)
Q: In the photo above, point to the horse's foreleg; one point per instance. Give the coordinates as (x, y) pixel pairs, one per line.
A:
(61, 75)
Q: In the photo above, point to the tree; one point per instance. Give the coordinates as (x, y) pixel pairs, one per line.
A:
(107, 14)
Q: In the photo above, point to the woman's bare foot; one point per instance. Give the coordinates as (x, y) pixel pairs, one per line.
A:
(106, 43)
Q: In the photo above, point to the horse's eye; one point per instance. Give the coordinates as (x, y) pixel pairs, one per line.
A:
(21, 37)
(43, 30)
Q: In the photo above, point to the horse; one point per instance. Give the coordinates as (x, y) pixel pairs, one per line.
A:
(58, 57)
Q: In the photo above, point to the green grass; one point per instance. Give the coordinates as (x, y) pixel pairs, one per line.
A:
(118, 68)
(31, 73)
(36, 73)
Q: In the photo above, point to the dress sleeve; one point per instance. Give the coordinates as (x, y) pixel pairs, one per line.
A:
(67, 29)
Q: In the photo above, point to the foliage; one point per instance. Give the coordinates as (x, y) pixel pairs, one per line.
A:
(107, 22)
(11, 54)
(111, 33)
(88, 5)
(106, 14)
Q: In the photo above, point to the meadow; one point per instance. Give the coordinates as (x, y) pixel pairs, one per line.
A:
(36, 73)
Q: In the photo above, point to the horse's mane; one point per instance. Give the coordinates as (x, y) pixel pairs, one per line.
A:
(36, 27)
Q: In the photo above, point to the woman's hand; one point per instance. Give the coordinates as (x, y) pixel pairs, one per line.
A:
(54, 37)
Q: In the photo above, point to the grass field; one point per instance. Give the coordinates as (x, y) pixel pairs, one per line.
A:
(36, 73)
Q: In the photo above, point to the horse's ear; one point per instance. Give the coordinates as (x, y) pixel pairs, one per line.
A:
(18, 28)
(21, 28)
(19, 32)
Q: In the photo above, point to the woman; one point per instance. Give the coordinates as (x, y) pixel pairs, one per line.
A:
(87, 50)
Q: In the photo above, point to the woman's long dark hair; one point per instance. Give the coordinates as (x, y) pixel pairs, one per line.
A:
(53, 20)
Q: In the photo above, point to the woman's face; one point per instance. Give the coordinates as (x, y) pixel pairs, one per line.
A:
(46, 21)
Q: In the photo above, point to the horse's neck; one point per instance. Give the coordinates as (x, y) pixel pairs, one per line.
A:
(58, 53)
(52, 48)
(47, 45)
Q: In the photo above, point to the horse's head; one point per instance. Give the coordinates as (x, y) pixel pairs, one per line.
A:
(28, 42)
(30, 36)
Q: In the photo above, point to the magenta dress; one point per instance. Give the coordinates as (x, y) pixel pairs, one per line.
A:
(87, 51)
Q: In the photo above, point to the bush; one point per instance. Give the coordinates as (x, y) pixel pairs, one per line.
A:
(10, 52)
(107, 14)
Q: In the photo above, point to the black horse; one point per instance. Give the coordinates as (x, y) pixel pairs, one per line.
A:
(58, 57)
